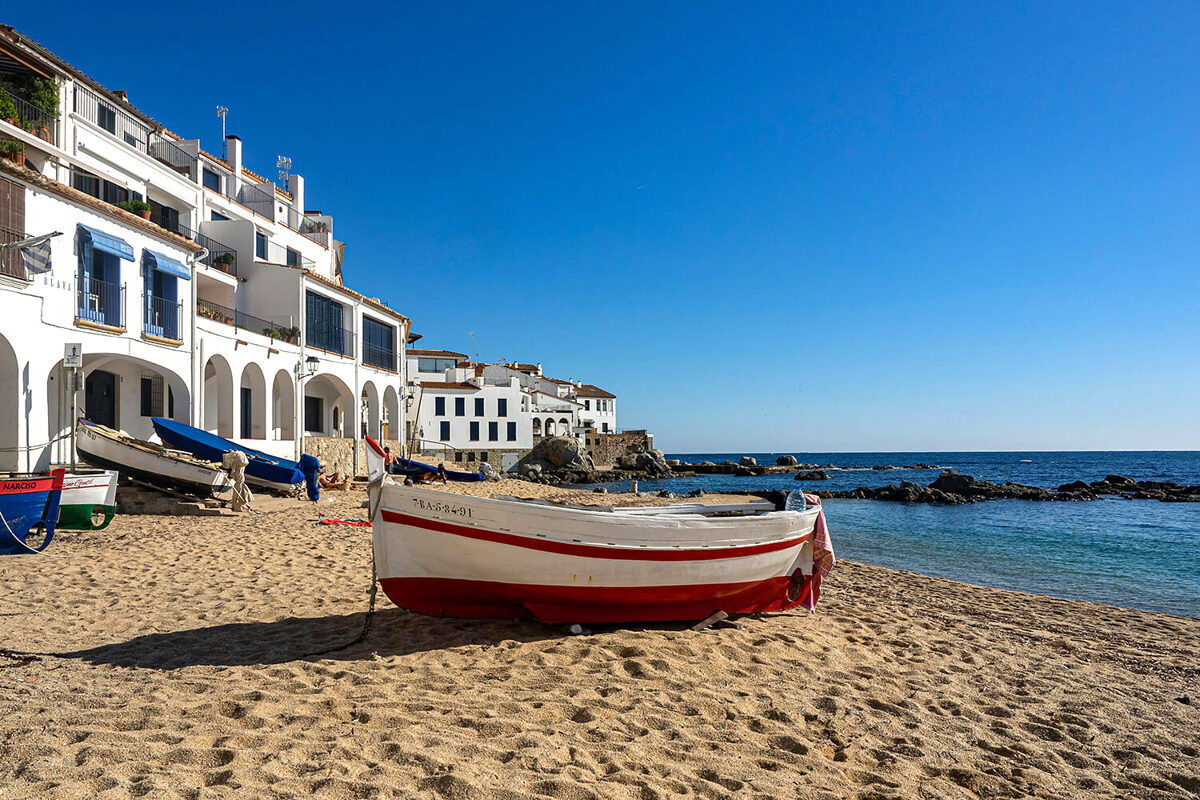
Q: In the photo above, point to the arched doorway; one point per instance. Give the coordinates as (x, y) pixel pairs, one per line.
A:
(252, 405)
(328, 407)
(10, 406)
(218, 397)
(549, 427)
(370, 410)
(389, 423)
(283, 407)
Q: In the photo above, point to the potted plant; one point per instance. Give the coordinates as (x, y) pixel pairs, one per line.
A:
(8, 109)
(12, 150)
(139, 207)
(223, 262)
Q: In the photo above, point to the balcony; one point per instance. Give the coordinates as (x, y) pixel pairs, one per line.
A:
(220, 256)
(30, 118)
(262, 201)
(99, 302)
(339, 341)
(382, 357)
(278, 331)
(276, 253)
(162, 317)
(104, 114)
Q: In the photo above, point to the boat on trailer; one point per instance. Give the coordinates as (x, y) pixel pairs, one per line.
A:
(29, 504)
(264, 470)
(454, 555)
(147, 462)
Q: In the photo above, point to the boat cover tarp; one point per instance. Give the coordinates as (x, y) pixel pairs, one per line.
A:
(405, 466)
(211, 447)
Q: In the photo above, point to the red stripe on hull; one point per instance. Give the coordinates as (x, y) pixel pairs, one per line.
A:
(588, 550)
(453, 597)
(27, 485)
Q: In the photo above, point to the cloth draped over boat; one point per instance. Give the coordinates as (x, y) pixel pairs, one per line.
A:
(310, 467)
(106, 242)
(823, 557)
(37, 257)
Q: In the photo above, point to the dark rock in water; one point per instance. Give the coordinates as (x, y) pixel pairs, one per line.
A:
(743, 472)
(1120, 480)
(674, 462)
(812, 475)
(600, 490)
(1075, 486)
(704, 464)
(695, 493)
(786, 461)
(748, 461)
(952, 481)
(728, 464)
(879, 467)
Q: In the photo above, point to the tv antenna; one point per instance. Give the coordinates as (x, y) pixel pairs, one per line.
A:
(221, 112)
(285, 165)
(474, 352)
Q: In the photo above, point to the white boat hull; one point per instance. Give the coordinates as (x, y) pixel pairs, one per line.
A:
(89, 500)
(108, 449)
(452, 555)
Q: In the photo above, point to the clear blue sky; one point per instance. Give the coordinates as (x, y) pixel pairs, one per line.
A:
(791, 226)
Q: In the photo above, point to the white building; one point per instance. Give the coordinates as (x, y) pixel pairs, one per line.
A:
(464, 405)
(224, 308)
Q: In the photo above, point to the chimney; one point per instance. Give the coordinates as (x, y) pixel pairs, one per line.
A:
(539, 368)
(296, 187)
(233, 156)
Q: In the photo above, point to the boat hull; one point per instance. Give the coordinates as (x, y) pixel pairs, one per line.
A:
(89, 501)
(448, 555)
(264, 470)
(26, 503)
(109, 450)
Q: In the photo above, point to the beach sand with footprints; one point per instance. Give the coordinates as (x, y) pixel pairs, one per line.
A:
(179, 669)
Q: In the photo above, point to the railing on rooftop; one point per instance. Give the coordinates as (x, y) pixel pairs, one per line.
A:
(33, 119)
(260, 198)
(102, 302)
(171, 154)
(240, 319)
(103, 113)
(12, 263)
(278, 254)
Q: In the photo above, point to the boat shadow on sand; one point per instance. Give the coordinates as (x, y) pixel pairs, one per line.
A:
(394, 632)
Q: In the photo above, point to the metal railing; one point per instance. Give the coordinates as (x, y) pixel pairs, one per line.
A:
(278, 254)
(171, 154)
(260, 198)
(103, 113)
(331, 340)
(240, 319)
(33, 119)
(12, 263)
(257, 200)
(376, 356)
(220, 256)
(162, 317)
(102, 302)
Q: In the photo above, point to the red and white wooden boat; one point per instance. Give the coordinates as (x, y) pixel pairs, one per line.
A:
(446, 554)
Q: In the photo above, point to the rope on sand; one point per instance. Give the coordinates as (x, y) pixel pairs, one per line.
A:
(366, 622)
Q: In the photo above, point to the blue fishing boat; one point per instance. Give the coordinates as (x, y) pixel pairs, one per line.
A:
(264, 470)
(29, 504)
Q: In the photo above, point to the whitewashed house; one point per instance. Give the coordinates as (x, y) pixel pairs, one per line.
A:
(225, 308)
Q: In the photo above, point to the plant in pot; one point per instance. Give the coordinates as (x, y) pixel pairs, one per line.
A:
(139, 207)
(224, 262)
(8, 109)
(12, 150)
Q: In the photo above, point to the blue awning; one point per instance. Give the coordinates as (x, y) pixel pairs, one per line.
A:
(109, 243)
(166, 264)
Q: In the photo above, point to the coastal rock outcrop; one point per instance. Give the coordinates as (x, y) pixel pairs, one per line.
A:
(748, 461)
(786, 461)
(812, 475)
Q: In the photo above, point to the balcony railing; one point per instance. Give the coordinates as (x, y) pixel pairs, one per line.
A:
(33, 119)
(382, 357)
(240, 319)
(220, 256)
(103, 113)
(161, 316)
(331, 340)
(98, 301)
(12, 263)
(260, 198)
(171, 154)
(278, 254)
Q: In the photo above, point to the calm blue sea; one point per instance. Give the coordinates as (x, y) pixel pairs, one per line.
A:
(1133, 553)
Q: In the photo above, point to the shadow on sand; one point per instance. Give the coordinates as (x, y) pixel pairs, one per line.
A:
(393, 632)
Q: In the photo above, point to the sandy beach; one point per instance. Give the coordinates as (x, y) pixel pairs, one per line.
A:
(179, 668)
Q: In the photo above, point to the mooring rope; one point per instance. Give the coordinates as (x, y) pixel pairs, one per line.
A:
(366, 622)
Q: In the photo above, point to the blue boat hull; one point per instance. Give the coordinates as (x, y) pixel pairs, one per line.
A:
(25, 503)
(209, 446)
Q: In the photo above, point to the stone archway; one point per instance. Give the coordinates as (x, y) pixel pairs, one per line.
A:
(252, 403)
(218, 397)
(389, 423)
(283, 407)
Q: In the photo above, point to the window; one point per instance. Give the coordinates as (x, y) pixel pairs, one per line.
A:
(604, 427)
(323, 316)
(435, 364)
(483, 456)
(458, 456)
(152, 395)
(460, 406)
(212, 181)
(379, 344)
(502, 407)
(479, 406)
(260, 245)
(160, 305)
(512, 431)
(439, 406)
(219, 217)
(247, 403)
(474, 431)
(493, 431)
(101, 189)
(445, 431)
(293, 257)
(587, 405)
(106, 117)
(98, 286)
(314, 410)
(470, 456)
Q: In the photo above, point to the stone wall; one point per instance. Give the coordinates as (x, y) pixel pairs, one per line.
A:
(606, 448)
(337, 454)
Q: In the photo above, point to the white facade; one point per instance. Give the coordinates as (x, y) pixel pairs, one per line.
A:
(261, 342)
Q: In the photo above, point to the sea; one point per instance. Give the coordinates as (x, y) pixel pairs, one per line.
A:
(1141, 554)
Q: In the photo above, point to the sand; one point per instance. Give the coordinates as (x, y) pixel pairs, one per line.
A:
(179, 670)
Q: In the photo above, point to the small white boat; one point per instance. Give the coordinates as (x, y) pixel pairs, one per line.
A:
(89, 499)
(447, 554)
(151, 463)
